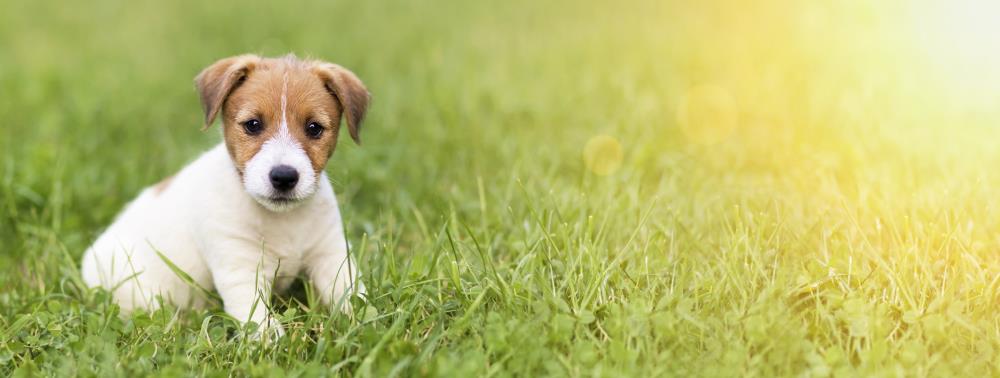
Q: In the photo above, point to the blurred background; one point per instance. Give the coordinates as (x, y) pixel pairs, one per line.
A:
(841, 148)
(773, 85)
(98, 99)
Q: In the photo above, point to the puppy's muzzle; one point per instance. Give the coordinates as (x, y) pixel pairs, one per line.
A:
(284, 178)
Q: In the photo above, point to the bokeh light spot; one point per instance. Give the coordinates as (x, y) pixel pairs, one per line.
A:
(603, 155)
(707, 114)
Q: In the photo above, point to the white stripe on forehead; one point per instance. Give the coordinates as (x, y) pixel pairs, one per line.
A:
(282, 145)
(284, 104)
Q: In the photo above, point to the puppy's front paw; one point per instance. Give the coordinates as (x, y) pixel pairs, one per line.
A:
(343, 302)
(268, 331)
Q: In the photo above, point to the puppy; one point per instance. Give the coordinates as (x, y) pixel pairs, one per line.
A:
(249, 215)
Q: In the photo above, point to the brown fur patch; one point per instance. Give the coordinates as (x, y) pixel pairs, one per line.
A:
(257, 94)
(162, 185)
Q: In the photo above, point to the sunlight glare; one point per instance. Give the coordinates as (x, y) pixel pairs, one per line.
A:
(961, 39)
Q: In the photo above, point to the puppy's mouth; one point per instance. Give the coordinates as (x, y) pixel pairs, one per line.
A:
(279, 202)
(282, 199)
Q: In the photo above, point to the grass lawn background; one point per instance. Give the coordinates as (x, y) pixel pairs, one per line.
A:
(803, 189)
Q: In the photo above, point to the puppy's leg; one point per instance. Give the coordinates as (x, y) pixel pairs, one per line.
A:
(244, 276)
(333, 273)
(136, 276)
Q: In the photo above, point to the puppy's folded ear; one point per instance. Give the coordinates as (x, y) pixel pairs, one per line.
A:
(217, 81)
(349, 92)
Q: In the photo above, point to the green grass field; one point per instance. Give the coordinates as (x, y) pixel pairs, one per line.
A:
(596, 188)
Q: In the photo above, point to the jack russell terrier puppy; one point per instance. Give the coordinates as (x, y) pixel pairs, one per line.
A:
(249, 215)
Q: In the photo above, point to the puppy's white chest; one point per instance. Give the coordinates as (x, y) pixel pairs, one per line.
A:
(285, 244)
(288, 238)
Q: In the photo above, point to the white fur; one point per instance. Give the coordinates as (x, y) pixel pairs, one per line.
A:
(207, 224)
(282, 149)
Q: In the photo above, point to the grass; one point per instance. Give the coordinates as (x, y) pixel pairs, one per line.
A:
(801, 189)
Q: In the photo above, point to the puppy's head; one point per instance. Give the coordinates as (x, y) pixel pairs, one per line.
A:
(280, 119)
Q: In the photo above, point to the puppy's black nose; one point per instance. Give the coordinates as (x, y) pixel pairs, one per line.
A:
(284, 177)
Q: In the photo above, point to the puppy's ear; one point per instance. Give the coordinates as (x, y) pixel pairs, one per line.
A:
(217, 81)
(348, 90)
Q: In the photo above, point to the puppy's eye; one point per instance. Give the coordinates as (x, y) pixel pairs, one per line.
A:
(314, 130)
(253, 127)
